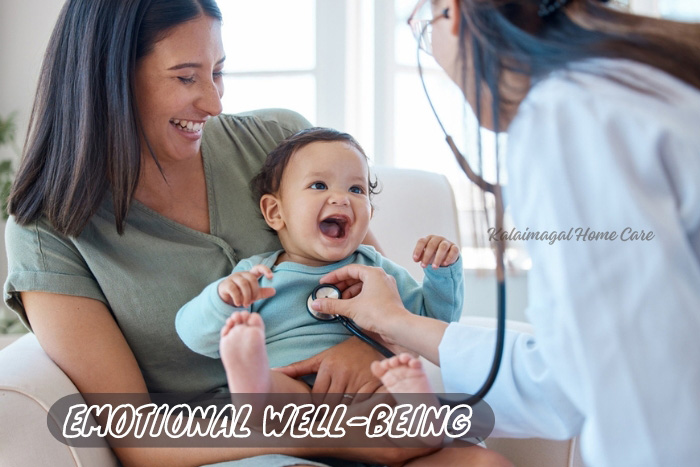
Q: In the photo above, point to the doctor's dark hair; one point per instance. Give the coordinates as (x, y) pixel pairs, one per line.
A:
(84, 133)
(500, 35)
(269, 179)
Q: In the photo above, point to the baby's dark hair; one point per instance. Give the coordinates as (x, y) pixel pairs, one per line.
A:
(268, 180)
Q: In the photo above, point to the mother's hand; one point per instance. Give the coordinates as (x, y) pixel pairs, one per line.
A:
(342, 369)
(375, 305)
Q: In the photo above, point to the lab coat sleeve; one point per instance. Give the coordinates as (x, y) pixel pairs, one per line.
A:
(535, 406)
(615, 320)
(199, 321)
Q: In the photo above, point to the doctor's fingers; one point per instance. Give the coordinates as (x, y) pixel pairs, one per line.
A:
(344, 285)
(332, 306)
(351, 273)
(352, 291)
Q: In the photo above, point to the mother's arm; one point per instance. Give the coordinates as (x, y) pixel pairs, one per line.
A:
(82, 338)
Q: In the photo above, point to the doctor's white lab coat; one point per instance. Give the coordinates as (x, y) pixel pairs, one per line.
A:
(616, 352)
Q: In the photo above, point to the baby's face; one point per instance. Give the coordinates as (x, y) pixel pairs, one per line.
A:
(324, 203)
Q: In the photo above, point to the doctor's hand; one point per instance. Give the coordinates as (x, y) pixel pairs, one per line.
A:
(376, 306)
(242, 288)
(435, 250)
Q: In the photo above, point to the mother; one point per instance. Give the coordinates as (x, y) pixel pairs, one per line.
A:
(602, 112)
(132, 196)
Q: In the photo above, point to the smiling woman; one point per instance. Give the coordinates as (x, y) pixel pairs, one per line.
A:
(178, 87)
(132, 195)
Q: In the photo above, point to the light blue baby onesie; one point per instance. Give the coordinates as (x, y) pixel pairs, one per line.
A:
(291, 334)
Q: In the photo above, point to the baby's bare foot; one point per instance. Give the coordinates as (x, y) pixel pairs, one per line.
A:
(402, 374)
(243, 353)
(404, 377)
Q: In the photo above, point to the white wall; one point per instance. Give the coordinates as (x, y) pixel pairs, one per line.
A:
(25, 29)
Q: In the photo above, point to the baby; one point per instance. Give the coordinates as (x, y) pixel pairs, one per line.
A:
(314, 191)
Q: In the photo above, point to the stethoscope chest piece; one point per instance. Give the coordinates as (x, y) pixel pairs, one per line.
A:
(331, 291)
(322, 291)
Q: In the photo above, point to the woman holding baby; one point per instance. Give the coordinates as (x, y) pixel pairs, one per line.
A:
(132, 196)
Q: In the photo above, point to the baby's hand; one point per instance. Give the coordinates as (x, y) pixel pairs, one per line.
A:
(435, 250)
(242, 288)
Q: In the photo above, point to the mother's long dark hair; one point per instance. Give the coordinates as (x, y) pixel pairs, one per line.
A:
(509, 35)
(83, 134)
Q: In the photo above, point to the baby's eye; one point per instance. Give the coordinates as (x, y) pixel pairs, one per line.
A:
(318, 186)
(357, 189)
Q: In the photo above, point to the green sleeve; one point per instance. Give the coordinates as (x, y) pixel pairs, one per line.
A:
(41, 259)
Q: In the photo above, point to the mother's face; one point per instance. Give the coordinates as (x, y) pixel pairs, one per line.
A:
(178, 87)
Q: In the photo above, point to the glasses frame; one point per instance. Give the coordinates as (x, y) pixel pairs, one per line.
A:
(422, 29)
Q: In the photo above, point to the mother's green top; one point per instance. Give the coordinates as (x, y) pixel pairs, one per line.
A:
(145, 275)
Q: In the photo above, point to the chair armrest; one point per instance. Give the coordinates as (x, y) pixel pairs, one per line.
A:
(30, 383)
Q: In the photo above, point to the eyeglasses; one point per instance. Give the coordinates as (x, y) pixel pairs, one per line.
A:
(421, 24)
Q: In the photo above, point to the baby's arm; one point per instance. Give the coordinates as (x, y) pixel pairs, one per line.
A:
(441, 295)
(443, 284)
(242, 288)
(435, 250)
(199, 321)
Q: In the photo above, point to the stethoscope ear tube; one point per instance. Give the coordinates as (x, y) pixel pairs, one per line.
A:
(499, 247)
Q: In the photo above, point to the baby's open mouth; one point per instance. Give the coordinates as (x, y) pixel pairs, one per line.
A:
(334, 226)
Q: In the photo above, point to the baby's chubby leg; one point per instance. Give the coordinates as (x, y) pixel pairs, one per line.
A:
(243, 353)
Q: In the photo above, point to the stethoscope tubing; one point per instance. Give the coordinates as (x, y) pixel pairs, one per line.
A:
(355, 329)
(495, 190)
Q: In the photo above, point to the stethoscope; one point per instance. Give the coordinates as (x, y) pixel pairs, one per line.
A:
(331, 291)
(499, 247)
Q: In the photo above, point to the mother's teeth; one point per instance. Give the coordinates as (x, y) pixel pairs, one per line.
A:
(188, 125)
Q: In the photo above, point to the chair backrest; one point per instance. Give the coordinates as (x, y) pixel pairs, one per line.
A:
(411, 205)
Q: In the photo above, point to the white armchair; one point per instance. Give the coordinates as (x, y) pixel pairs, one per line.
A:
(413, 204)
(30, 383)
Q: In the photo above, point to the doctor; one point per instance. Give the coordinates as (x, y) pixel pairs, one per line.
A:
(602, 111)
